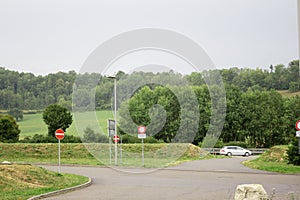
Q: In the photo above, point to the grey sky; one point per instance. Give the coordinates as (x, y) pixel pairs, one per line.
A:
(55, 35)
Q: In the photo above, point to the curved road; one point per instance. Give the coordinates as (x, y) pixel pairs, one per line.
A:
(205, 179)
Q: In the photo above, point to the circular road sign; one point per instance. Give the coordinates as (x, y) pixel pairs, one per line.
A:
(59, 134)
(116, 138)
(298, 125)
(141, 129)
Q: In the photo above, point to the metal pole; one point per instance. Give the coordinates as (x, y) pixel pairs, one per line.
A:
(110, 150)
(58, 156)
(143, 152)
(298, 12)
(299, 144)
(116, 147)
(121, 151)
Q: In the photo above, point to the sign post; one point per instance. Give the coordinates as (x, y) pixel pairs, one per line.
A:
(111, 133)
(59, 134)
(142, 135)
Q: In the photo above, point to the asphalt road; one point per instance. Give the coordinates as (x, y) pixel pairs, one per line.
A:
(205, 179)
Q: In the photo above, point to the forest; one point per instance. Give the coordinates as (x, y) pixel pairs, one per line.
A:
(255, 112)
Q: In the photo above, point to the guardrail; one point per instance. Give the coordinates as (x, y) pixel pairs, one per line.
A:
(255, 151)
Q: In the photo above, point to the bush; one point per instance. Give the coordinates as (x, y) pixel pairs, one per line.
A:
(131, 139)
(293, 153)
(218, 144)
(91, 137)
(9, 130)
(237, 143)
(50, 139)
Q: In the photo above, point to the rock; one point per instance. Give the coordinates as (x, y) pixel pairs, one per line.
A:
(6, 162)
(250, 192)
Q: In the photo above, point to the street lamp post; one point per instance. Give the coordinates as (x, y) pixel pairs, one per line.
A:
(115, 115)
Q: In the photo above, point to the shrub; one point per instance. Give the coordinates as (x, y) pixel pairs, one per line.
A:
(131, 139)
(37, 138)
(9, 130)
(293, 153)
(237, 143)
(90, 136)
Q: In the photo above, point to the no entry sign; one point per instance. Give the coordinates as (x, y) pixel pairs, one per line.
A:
(59, 134)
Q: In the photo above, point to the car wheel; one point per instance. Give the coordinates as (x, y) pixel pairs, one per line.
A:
(247, 154)
(229, 154)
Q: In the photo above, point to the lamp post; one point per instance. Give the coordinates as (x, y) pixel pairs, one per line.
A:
(115, 114)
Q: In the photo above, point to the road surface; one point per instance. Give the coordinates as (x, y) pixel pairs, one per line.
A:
(205, 179)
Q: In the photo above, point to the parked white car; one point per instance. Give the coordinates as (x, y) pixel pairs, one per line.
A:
(234, 151)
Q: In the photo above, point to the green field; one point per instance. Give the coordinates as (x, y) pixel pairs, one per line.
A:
(33, 124)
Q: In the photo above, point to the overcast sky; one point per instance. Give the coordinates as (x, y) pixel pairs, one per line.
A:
(45, 36)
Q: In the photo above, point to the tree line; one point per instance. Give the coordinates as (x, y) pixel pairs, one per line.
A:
(27, 91)
(255, 113)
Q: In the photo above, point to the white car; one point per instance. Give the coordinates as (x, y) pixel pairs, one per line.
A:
(234, 151)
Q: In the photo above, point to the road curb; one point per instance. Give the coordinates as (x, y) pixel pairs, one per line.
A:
(62, 191)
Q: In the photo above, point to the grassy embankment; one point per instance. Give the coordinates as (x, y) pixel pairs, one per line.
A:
(273, 160)
(24, 181)
(156, 155)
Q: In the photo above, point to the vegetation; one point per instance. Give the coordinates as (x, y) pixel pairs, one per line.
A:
(16, 113)
(46, 153)
(27, 91)
(293, 155)
(32, 124)
(156, 155)
(91, 137)
(56, 117)
(24, 181)
(274, 160)
(256, 114)
(9, 130)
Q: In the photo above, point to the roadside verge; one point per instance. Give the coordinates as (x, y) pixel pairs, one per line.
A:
(62, 191)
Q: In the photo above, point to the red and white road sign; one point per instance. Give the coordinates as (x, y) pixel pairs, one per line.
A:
(141, 132)
(141, 129)
(116, 138)
(298, 125)
(59, 134)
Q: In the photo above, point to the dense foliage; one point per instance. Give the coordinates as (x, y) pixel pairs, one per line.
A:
(39, 138)
(258, 118)
(27, 91)
(293, 153)
(256, 114)
(56, 117)
(9, 130)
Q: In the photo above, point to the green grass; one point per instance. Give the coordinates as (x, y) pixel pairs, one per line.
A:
(33, 123)
(24, 181)
(273, 160)
(46, 153)
(156, 155)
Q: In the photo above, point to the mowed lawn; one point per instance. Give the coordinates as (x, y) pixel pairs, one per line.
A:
(33, 124)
